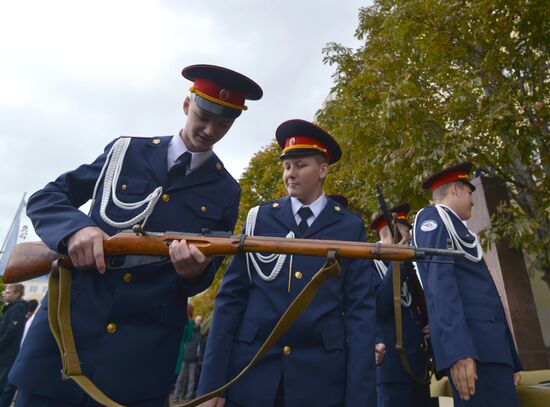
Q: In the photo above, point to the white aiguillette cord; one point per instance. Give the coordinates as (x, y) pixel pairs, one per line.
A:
(458, 243)
(250, 257)
(111, 172)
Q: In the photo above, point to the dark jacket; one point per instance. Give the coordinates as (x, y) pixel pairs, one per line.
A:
(148, 303)
(12, 325)
(327, 357)
(191, 352)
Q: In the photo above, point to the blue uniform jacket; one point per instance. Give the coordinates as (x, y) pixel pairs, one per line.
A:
(12, 325)
(391, 369)
(148, 303)
(331, 359)
(467, 318)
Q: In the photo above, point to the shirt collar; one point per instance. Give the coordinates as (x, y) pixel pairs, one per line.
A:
(454, 213)
(316, 206)
(177, 147)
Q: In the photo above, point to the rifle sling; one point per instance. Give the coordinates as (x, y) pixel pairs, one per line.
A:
(330, 269)
(396, 284)
(59, 315)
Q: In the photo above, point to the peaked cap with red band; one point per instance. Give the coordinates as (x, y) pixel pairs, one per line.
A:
(220, 90)
(300, 137)
(460, 172)
(401, 211)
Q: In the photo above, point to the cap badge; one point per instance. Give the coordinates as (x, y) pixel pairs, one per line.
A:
(224, 94)
(292, 141)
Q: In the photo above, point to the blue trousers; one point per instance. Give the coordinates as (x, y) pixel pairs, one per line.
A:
(494, 387)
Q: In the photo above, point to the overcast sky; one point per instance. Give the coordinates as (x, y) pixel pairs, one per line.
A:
(76, 74)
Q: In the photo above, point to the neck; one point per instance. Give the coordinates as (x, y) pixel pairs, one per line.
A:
(310, 199)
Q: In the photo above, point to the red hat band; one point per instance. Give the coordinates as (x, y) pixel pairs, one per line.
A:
(301, 142)
(401, 216)
(451, 177)
(214, 93)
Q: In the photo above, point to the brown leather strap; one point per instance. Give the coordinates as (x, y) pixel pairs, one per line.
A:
(396, 284)
(59, 316)
(330, 269)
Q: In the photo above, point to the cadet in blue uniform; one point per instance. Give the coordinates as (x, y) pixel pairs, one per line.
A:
(470, 336)
(395, 388)
(327, 357)
(128, 315)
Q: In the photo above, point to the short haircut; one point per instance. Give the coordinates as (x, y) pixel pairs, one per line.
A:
(442, 191)
(18, 288)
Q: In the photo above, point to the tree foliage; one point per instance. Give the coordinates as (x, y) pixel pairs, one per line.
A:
(437, 82)
(434, 83)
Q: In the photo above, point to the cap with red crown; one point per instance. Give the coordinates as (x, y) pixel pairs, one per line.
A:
(400, 210)
(300, 137)
(460, 172)
(220, 90)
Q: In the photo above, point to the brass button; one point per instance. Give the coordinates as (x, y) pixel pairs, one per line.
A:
(156, 141)
(298, 275)
(203, 209)
(127, 277)
(111, 328)
(287, 350)
(124, 187)
(337, 208)
(165, 197)
(218, 166)
(275, 204)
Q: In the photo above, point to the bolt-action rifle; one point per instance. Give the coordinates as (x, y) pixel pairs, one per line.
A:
(34, 259)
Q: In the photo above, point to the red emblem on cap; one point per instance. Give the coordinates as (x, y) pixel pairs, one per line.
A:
(292, 141)
(224, 94)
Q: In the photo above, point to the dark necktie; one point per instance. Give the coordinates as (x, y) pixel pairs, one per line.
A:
(304, 213)
(179, 169)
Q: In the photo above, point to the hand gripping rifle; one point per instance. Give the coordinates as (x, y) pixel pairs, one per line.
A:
(30, 260)
(416, 291)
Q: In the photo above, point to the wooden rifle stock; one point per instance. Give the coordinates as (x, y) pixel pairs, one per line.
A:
(33, 259)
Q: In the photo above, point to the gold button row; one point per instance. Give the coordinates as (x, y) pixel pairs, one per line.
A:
(111, 328)
(298, 275)
(287, 350)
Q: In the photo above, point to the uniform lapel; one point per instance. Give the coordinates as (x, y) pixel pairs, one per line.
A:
(281, 212)
(330, 214)
(209, 171)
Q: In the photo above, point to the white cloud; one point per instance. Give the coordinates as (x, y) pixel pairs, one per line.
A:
(75, 74)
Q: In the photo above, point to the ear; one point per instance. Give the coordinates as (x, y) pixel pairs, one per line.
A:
(186, 104)
(323, 170)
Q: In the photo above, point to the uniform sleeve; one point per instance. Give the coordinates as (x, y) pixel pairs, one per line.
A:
(445, 307)
(15, 323)
(229, 306)
(54, 209)
(360, 323)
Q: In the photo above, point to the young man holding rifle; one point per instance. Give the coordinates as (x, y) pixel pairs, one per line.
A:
(128, 312)
(327, 357)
